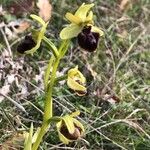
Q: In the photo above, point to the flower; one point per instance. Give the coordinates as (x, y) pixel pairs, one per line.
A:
(79, 20)
(69, 128)
(76, 81)
(27, 44)
(87, 39)
(33, 42)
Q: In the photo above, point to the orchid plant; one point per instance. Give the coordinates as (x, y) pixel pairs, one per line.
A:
(81, 27)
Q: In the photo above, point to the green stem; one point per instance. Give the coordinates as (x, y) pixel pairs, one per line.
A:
(48, 106)
(47, 71)
(42, 132)
(48, 110)
(49, 101)
(52, 46)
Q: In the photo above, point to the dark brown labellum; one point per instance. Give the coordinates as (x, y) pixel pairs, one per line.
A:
(74, 136)
(81, 93)
(88, 40)
(27, 44)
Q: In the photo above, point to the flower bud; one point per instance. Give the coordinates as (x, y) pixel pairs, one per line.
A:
(88, 40)
(27, 44)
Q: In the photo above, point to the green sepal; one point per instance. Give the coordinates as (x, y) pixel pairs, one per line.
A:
(83, 10)
(69, 123)
(70, 31)
(38, 19)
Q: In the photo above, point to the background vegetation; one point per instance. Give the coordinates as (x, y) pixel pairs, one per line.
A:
(116, 109)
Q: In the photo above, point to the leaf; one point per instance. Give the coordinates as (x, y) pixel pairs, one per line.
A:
(28, 140)
(45, 9)
(24, 25)
(13, 143)
(124, 4)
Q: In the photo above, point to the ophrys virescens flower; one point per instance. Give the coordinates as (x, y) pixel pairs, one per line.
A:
(76, 81)
(82, 26)
(69, 128)
(31, 43)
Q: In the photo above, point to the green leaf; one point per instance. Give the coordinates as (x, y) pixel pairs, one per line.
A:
(28, 140)
(70, 31)
(36, 135)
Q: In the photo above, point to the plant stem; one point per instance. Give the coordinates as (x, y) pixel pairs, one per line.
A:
(48, 106)
(48, 110)
(48, 103)
(52, 46)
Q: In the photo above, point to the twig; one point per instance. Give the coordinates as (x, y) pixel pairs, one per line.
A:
(15, 103)
(7, 43)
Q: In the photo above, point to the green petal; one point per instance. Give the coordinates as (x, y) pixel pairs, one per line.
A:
(83, 10)
(89, 18)
(69, 123)
(82, 78)
(73, 19)
(96, 29)
(58, 125)
(79, 124)
(70, 31)
(61, 137)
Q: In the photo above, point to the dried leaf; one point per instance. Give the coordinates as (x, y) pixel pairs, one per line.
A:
(5, 90)
(24, 25)
(113, 99)
(45, 9)
(14, 142)
(124, 4)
